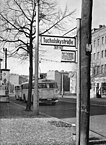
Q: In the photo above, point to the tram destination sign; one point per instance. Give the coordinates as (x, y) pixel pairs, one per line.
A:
(68, 56)
(58, 41)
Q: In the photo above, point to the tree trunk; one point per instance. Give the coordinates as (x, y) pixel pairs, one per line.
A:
(86, 21)
(28, 105)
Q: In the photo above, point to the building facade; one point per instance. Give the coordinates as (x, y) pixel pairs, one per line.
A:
(54, 75)
(66, 81)
(98, 62)
(16, 80)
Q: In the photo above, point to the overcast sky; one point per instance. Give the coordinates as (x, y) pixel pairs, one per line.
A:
(99, 11)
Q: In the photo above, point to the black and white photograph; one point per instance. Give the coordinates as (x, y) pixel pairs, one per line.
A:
(52, 72)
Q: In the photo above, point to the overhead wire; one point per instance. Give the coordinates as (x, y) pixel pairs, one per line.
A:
(69, 31)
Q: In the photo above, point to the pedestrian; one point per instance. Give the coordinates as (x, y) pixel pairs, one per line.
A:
(98, 93)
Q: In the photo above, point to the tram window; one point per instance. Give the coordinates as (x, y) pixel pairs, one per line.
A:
(42, 85)
(52, 85)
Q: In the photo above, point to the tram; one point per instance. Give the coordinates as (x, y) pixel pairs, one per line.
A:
(48, 91)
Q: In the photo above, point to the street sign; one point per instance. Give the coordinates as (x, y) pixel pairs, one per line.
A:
(68, 56)
(58, 41)
(58, 47)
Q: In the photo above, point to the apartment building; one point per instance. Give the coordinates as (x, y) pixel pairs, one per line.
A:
(98, 61)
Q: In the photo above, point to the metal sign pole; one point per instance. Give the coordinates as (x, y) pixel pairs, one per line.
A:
(36, 95)
(78, 112)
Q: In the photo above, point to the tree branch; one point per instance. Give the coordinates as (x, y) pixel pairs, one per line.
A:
(64, 16)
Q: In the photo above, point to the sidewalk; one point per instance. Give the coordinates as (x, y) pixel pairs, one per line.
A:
(97, 122)
(18, 127)
(22, 128)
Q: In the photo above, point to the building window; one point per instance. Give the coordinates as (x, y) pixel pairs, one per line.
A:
(94, 56)
(105, 39)
(98, 41)
(93, 71)
(97, 55)
(102, 70)
(102, 54)
(94, 43)
(102, 40)
(98, 69)
(105, 68)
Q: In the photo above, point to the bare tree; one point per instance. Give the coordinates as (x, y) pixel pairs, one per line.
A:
(18, 28)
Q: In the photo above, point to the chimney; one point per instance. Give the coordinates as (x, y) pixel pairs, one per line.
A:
(100, 26)
(95, 29)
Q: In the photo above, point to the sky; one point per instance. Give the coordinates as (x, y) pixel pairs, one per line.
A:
(53, 57)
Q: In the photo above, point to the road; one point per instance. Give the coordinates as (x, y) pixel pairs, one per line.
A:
(68, 109)
(60, 110)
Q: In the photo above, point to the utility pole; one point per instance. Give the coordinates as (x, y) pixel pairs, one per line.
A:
(36, 94)
(86, 22)
(5, 52)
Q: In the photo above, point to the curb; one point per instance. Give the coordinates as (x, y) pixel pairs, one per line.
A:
(66, 100)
